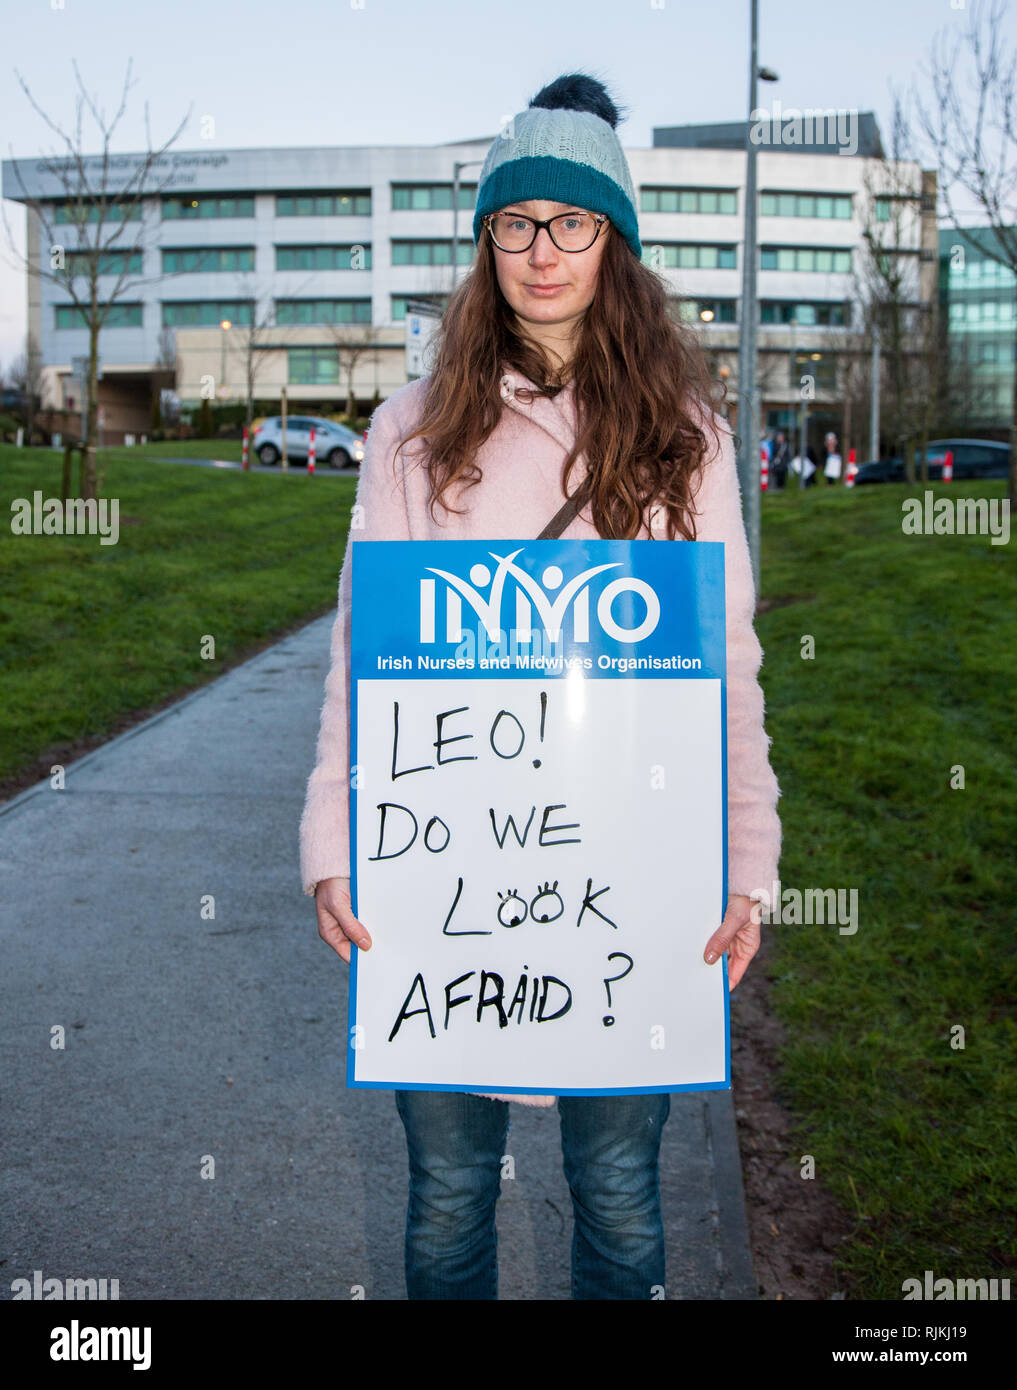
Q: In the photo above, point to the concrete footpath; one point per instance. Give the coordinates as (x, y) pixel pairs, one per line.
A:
(226, 1037)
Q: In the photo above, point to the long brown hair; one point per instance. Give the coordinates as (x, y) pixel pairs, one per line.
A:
(638, 376)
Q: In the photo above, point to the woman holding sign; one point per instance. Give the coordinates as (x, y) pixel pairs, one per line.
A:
(558, 356)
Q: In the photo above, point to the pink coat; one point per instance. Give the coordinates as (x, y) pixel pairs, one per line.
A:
(520, 492)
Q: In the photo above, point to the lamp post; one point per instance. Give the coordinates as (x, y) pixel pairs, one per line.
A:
(792, 324)
(456, 167)
(748, 452)
(225, 325)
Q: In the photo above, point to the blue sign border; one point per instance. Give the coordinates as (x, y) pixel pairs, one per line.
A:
(551, 550)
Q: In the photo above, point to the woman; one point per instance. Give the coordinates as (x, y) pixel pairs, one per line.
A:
(558, 356)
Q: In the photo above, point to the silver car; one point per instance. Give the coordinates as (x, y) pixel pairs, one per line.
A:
(334, 444)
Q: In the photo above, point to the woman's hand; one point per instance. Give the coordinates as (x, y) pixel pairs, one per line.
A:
(739, 931)
(336, 923)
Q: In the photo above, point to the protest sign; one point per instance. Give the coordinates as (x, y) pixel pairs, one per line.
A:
(538, 815)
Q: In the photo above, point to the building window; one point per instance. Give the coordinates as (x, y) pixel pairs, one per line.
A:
(351, 203)
(313, 366)
(90, 212)
(670, 255)
(822, 367)
(431, 197)
(884, 205)
(774, 203)
(204, 313)
(700, 311)
(808, 258)
(697, 200)
(808, 313)
(431, 252)
(290, 311)
(200, 208)
(399, 304)
(353, 257)
(110, 262)
(118, 316)
(200, 260)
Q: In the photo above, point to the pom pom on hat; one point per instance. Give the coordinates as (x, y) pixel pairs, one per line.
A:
(563, 148)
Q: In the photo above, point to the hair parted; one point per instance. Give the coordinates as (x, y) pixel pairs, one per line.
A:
(643, 391)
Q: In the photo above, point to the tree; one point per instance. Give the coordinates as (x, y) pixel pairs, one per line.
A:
(891, 290)
(352, 343)
(250, 339)
(25, 375)
(96, 217)
(970, 120)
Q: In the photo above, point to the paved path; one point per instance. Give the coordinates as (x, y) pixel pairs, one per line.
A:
(188, 1037)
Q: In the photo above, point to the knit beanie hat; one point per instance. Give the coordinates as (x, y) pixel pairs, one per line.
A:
(562, 148)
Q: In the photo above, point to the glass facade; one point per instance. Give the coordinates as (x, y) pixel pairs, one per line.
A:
(70, 212)
(431, 252)
(110, 262)
(695, 200)
(773, 203)
(356, 257)
(205, 206)
(809, 313)
(312, 366)
(204, 313)
(671, 255)
(119, 316)
(288, 311)
(434, 197)
(821, 260)
(979, 298)
(715, 311)
(350, 203)
(202, 260)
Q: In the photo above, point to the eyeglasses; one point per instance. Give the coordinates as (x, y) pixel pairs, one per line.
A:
(570, 231)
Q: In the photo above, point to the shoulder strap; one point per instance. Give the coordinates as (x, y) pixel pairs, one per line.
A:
(565, 513)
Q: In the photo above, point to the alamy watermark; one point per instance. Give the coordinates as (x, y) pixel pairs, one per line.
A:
(796, 907)
(71, 516)
(957, 516)
(793, 128)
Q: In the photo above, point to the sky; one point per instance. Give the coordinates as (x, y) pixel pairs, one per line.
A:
(379, 72)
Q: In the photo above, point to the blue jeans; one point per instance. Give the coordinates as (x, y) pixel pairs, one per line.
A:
(610, 1147)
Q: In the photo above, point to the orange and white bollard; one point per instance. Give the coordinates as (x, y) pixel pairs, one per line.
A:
(948, 467)
(310, 455)
(852, 468)
(764, 471)
(243, 451)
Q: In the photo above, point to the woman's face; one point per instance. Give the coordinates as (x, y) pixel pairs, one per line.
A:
(574, 273)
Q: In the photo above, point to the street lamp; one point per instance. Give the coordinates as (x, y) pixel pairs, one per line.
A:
(706, 315)
(456, 167)
(225, 325)
(748, 452)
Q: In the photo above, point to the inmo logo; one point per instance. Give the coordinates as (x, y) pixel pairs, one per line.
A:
(552, 600)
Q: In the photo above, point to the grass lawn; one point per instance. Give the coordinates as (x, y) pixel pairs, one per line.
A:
(914, 673)
(227, 449)
(91, 632)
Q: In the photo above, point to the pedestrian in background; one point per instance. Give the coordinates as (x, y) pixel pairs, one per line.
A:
(779, 462)
(832, 466)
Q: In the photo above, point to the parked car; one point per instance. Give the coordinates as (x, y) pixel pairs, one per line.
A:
(334, 444)
(890, 471)
(972, 458)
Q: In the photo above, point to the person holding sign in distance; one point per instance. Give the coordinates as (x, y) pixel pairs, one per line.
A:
(557, 357)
